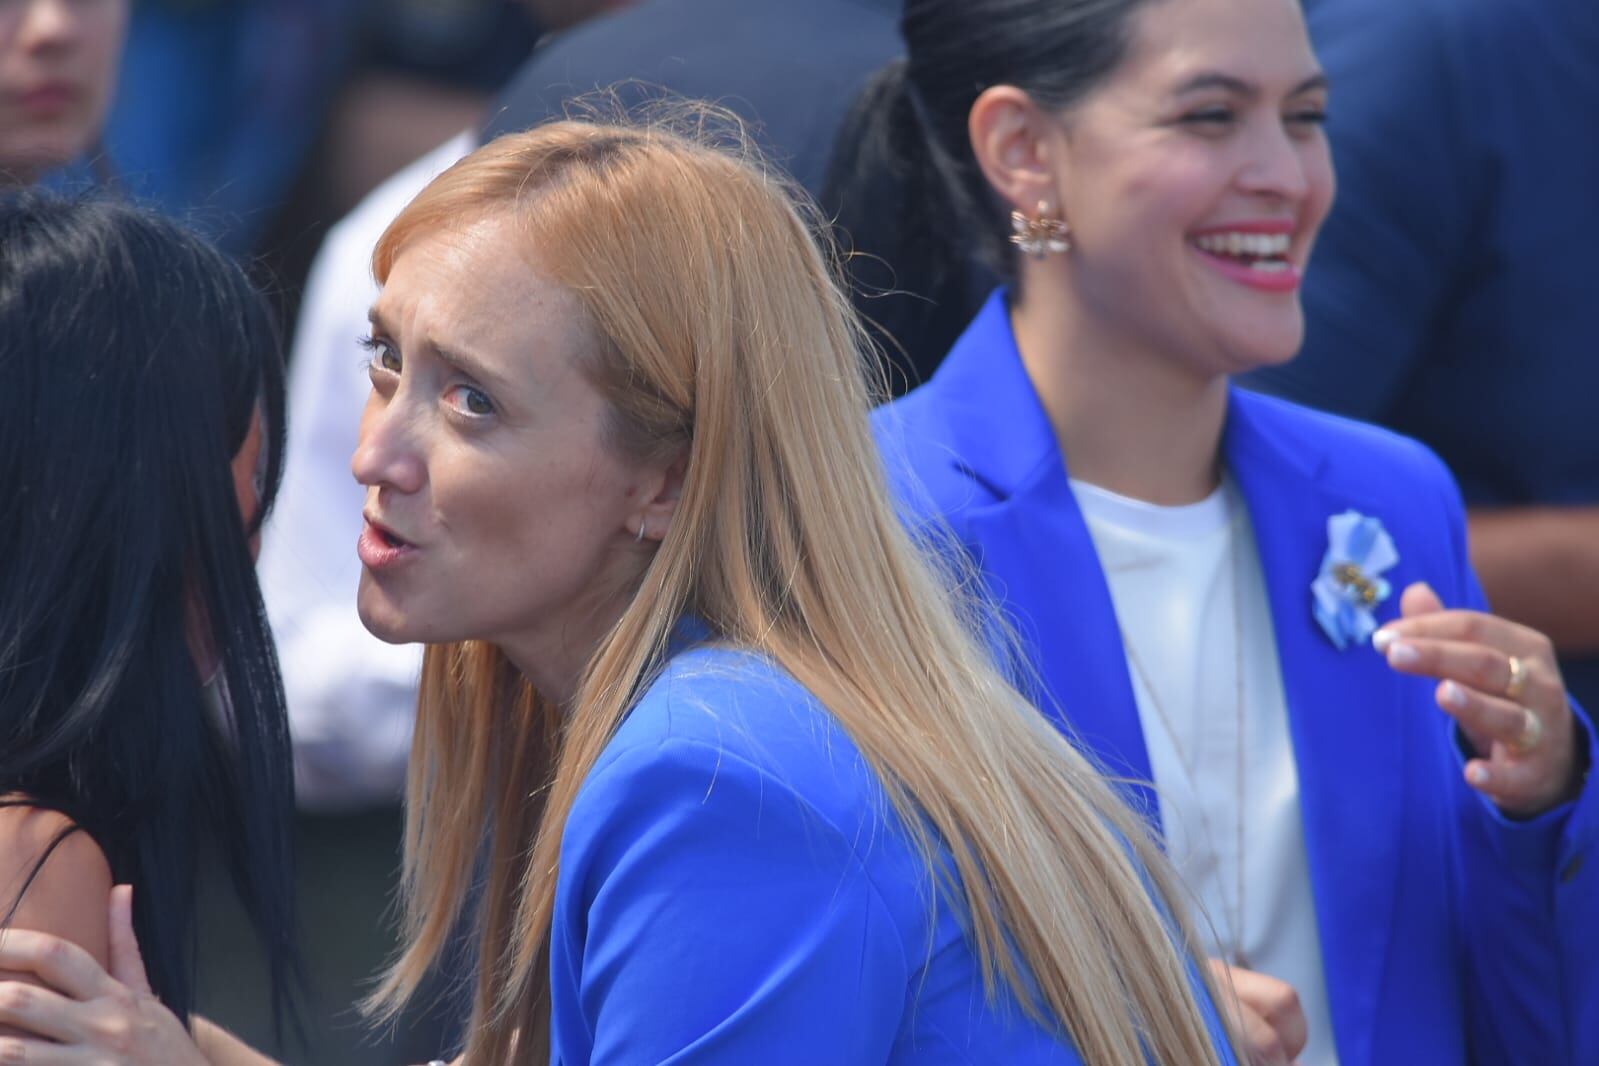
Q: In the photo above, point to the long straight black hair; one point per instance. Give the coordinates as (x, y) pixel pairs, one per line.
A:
(133, 359)
(904, 185)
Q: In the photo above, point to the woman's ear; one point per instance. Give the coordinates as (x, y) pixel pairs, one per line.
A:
(1015, 142)
(654, 518)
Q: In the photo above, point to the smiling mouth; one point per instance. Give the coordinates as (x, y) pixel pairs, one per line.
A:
(1265, 252)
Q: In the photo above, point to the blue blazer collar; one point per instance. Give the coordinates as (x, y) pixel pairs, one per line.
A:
(983, 376)
(1342, 705)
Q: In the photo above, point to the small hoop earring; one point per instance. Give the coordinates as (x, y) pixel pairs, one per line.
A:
(640, 538)
(1040, 236)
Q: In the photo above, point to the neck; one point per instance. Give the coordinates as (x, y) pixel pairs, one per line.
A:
(554, 655)
(555, 659)
(556, 681)
(1128, 417)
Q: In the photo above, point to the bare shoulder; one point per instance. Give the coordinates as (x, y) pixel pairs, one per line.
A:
(70, 878)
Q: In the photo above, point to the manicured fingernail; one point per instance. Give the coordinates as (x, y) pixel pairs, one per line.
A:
(1477, 775)
(1452, 696)
(1403, 654)
(1382, 638)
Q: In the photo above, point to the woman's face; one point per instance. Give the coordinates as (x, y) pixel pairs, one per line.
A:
(1195, 180)
(58, 64)
(496, 507)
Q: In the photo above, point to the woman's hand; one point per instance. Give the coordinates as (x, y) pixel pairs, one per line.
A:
(1500, 682)
(87, 1017)
(1264, 1011)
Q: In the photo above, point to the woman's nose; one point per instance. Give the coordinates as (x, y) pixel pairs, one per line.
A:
(1277, 165)
(386, 455)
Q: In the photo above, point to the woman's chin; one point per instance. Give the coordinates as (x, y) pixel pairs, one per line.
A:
(384, 621)
(1265, 348)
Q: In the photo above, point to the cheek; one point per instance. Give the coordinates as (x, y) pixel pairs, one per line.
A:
(1323, 182)
(542, 519)
(245, 468)
(1139, 218)
(103, 52)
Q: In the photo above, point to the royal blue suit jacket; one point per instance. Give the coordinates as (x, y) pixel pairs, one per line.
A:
(1449, 934)
(734, 888)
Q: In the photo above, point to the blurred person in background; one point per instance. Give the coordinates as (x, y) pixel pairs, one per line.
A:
(219, 102)
(1452, 290)
(746, 787)
(142, 726)
(791, 70)
(424, 71)
(257, 119)
(1393, 846)
(58, 63)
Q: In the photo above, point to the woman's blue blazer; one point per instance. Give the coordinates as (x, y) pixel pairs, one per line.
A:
(734, 888)
(1449, 933)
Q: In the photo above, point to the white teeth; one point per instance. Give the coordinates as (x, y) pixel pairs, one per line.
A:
(1257, 245)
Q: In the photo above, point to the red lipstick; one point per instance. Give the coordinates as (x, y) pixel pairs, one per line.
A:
(1255, 253)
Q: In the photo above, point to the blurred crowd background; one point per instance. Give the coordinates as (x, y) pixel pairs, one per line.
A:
(1447, 298)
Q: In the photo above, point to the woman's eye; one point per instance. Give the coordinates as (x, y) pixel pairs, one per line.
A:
(1308, 117)
(384, 357)
(1211, 116)
(470, 401)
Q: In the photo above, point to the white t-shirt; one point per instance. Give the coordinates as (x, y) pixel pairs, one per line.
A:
(1191, 601)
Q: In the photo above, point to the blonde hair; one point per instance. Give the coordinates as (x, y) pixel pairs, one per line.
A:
(724, 333)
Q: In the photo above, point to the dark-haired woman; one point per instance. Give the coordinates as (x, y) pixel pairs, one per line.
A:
(1202, 573)
(141, 713)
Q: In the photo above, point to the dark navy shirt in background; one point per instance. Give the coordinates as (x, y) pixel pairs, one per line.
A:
(1452, 294)
(791, 68)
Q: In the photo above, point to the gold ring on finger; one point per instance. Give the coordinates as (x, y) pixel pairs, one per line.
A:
(1518, 679)
(1531, 732)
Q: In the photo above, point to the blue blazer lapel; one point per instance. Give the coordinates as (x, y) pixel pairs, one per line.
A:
(1343, 707)
(1066, 607)
(1344, 711)
(1004, 440)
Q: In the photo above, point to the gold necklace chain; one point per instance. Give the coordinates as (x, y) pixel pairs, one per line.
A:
(1235, 908)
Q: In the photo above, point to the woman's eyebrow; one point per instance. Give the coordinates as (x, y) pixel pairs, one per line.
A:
(470, 365)
(1234, 84)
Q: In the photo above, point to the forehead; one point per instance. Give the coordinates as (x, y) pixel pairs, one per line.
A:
(479, 286)
(1262, 41)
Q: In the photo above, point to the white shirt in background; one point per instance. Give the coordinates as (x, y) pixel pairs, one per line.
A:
(351, 697)
(1190, 595)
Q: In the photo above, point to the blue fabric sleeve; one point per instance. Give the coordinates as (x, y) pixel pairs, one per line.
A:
(1531, 938)
(726, 921)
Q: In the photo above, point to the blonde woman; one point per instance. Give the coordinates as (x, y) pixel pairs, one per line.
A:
(749, 790)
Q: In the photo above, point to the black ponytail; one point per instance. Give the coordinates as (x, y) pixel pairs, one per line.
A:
(913, 208)
(899, 210)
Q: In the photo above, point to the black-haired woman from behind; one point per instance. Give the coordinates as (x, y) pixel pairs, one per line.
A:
(142, 721)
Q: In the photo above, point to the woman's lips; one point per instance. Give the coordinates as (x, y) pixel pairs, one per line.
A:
(49, 99)
(380, 550)
(1271, 275)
